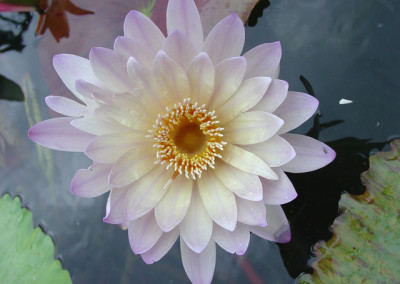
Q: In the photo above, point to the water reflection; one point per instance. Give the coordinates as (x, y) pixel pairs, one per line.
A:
(12, 28)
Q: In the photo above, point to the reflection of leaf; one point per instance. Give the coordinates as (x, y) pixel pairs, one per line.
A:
(9, 90)
(365, 246)
(26, 254)
(18, 5)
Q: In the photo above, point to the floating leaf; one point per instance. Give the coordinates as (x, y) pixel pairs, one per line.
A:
(10, 90)
(26, 254)
(365, 246)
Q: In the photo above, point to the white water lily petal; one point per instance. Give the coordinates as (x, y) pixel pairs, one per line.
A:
(279, 191)
(247, 96)
(196, 227)
(295, 110)
(228, 78)
(184, 16)
(263, 60)
(92, 124)
(143, 233)
(278, 229)
(225, 40)
(115, 206)
(251, 127)
(91, 182)
(251, 212)
(128, 47)
(173, 206)
(65, 106)
(201, 75)
(273, 97)
(311, 154)
(68, 138)
(140, 28)
(132, 165)
(93, 95)
(247, 161)
(179, 48)
(276, 151)
(146, 192)
(218, 201)
(163, 245)
(236, 241)
(244, 185)
(199, 267)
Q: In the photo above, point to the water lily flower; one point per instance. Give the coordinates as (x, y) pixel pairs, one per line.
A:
(189, 136)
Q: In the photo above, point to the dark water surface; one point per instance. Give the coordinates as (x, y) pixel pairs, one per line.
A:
(344, 49)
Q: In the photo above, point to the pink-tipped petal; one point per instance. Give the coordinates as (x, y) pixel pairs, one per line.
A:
(196, 227)
(225, 40)
(59, 134)
(128, 47)
(91, 182)
(218, 200)
(251, 127)
(65, 106)
(236, 241)
(161, 248)
(115, 206)
(279, 191)
(273, 97)
(263, 60)
(247, 161)
(295, 110)
(179, 48)
(244, 185)
(175, 203)
(276, 151)
(278, 229)
(183, 15)
(311, 154)
(143, 233)
(199, 267)
(140, 28)
(251, 212)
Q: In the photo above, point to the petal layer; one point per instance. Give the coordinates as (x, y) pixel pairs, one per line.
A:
(91, 182)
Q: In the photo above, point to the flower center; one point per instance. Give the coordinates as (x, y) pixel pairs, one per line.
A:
(188, 138)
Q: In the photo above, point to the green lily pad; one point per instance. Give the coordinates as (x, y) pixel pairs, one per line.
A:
(10, 90)
(26, 254)
(365, 247)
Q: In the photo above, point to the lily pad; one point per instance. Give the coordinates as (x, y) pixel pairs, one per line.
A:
(10, 90)
(365, 246)
(26, 254)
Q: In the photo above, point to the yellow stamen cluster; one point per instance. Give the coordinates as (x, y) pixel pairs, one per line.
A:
(188, 138)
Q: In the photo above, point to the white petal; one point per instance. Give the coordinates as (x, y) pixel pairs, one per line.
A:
(59, 134)
(128, 47)
(201, 75)
(132, 165)
(251, 127)
(263, 60)
(115, 206)
(228, 77)
(91, 182)
(196, 227)
(225, 40)
(273, 97)
(92, 124)
(143, 233)
(140, 28)
(251, 212)
(199, 267)
(184, 16)
(236, 241)
(161, 248)
(244, 185)
(90, 92)
(276, 151)
(295, 110)
(175, 203)
(144, 194)
(278, 229)
(248, 95)
(218, 200)
(279, 191)
(311, 154)
(65, 106)
(179, 48)
(247, 161)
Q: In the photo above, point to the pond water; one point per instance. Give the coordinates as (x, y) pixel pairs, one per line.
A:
(344, 49)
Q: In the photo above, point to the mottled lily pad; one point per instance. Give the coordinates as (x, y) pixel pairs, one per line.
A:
(26, 254)
(365, 247)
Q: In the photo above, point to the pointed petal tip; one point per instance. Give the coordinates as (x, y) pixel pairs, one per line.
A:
(283, 235)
